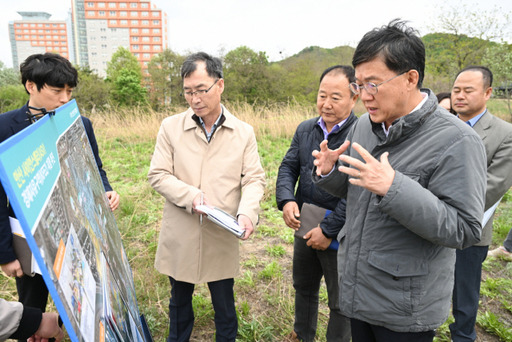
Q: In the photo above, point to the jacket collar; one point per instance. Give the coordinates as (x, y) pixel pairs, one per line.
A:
(482, 125)
(228, 121)
(407, 124)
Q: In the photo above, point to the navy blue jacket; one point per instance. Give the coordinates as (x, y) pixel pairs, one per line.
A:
(11, 123)
(297, 164)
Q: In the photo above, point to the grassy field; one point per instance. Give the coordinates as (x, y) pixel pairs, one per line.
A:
(263, 291)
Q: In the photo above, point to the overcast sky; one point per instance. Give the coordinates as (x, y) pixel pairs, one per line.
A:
(281, 28)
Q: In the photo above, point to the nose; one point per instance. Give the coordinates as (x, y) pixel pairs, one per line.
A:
(364, 95)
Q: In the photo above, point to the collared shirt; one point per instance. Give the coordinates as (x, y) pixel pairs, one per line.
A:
(217, 123)
(471, 122)
(334, 129)
(425, 97)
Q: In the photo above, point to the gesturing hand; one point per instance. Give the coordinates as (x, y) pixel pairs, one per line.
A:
(326, 158)
(373, 175)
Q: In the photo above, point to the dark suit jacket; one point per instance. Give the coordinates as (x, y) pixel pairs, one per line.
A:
(11, 123)
(497, 137)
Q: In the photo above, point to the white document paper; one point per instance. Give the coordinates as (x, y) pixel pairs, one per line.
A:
(222, 219)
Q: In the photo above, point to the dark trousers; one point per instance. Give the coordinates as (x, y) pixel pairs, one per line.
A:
(365, 332)
(181, 312)
(32, 291)
(309, 265)
(466, 292)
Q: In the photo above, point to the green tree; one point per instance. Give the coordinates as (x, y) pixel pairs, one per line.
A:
(468, 30)
(125, 74)
(92, 91)
(12, 97)
(165, 84)
(122, 59)
(128, 90)
(8, 75)
(498, 58)
(245, 72)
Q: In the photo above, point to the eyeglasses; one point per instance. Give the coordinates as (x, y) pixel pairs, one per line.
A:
(371, 88)
(199, 92)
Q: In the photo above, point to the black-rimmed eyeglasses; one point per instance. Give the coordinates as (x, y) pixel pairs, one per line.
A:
(371, 88)
(199, 92)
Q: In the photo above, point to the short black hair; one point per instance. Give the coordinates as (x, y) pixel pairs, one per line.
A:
(399, 45)
(346, 70)
(213, 65)
(443, 95)
(486, 73)
(48, 69)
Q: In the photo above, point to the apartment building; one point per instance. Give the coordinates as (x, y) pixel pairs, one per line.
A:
(36, 33)
(100, 27)
(94, 30)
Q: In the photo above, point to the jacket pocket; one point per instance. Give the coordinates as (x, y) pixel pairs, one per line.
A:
(402, 278)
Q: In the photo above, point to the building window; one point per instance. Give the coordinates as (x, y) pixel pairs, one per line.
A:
(145, 30)
(91, 13)
(156, 39)
(113, 22)
(156, 30)
(146, 55)
(122, 4)
(90, 4)
(134, 14)
(133, 4)
(156, 47)
(113, 13)
(101, 4)
(146, 47)
(112, 5)
(145, 14)
(135, 39)
(155, 14)
(124, 22)
(135, 30)
(102, 13)
(145, 39)
(103, 46)
(144, 5)
(156, 22)
(145, 22)
(135, 22)
(135, 47)
(123, 13)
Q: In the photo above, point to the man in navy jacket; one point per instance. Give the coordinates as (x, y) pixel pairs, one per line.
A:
(49, 80)
(312, 257)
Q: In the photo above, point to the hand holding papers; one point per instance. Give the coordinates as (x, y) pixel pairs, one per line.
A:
(222, 219)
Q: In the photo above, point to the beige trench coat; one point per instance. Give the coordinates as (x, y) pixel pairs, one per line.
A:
(227, 170)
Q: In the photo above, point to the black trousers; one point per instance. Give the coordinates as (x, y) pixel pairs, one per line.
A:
(366, 332)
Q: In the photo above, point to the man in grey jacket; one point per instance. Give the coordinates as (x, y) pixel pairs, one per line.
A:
(414, 179)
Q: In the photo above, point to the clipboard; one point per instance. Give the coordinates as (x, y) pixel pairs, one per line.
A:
(222, 219)
(22, 250)
(310, 217)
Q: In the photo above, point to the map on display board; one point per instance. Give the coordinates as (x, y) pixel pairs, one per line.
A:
(52, 181)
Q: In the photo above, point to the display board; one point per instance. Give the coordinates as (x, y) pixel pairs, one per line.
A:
(52, 181)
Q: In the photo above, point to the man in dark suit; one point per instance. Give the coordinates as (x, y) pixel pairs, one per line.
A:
(471, 91)
(49, 80)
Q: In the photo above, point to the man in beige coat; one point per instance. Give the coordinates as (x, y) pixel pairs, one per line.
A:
(204, 156)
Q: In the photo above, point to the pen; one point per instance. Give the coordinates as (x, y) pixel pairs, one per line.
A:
(201, 215)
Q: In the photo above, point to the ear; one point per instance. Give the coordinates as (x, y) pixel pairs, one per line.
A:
(221, 85)
(488, 93)
(413, 77)
(31, 87)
